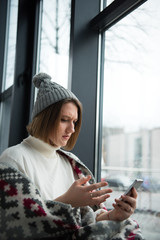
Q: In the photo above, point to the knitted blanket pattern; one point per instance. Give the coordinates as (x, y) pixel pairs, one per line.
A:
(25, 215)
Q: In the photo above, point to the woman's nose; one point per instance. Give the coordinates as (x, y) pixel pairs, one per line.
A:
(71, 128)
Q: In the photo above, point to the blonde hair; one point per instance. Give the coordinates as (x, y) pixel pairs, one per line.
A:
(48, 120)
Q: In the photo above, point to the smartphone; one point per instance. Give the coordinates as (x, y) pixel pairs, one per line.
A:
(137, 183)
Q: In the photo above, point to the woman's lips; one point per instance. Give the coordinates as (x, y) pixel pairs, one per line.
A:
(66, 137)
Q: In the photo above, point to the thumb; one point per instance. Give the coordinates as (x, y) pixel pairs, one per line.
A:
(134, 193)
(83, 180)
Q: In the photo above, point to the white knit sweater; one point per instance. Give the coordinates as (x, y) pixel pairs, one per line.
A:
(51, 173)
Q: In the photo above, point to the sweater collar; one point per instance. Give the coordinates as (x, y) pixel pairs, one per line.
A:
(41, 146)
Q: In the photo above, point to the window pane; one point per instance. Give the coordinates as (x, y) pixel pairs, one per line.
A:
(55, 37)
(5, 105)
(11, 44)
(131, 112)
(4, 123)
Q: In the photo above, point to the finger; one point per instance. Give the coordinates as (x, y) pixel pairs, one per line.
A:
(127, 211)
(127, 206)
(129, 200)
(96, 186)
(100, 192)
(83, 180)
(99, 200)
(134, 193)
(120, 209)
(117, 206)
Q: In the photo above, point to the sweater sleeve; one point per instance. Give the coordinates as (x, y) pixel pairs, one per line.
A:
(13, 157)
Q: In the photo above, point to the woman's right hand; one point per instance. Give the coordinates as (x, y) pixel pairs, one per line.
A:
(79, 194)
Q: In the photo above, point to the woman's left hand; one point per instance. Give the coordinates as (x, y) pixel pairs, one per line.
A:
(123, 208)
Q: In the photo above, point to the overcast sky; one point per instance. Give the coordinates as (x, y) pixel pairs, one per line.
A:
(131, 86)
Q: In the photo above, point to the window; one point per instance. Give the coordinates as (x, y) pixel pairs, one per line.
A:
(131, 114)
(11, 44)
(8, 76)
(55, 38)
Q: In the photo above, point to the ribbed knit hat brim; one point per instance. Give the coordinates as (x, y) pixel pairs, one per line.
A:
(48, 93)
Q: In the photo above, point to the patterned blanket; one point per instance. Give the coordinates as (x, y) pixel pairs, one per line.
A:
(25, 215)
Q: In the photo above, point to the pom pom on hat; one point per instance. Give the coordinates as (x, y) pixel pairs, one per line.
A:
(48, 93)
(41, 77)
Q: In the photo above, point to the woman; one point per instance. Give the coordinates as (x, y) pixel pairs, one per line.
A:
(49, 192)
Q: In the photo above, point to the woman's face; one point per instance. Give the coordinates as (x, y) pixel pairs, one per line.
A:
(68, 117)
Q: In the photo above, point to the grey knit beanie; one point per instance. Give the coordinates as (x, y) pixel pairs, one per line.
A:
(48, 93)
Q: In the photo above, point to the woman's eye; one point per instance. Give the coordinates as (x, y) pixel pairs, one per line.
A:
(64, 120)
(67, 120)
